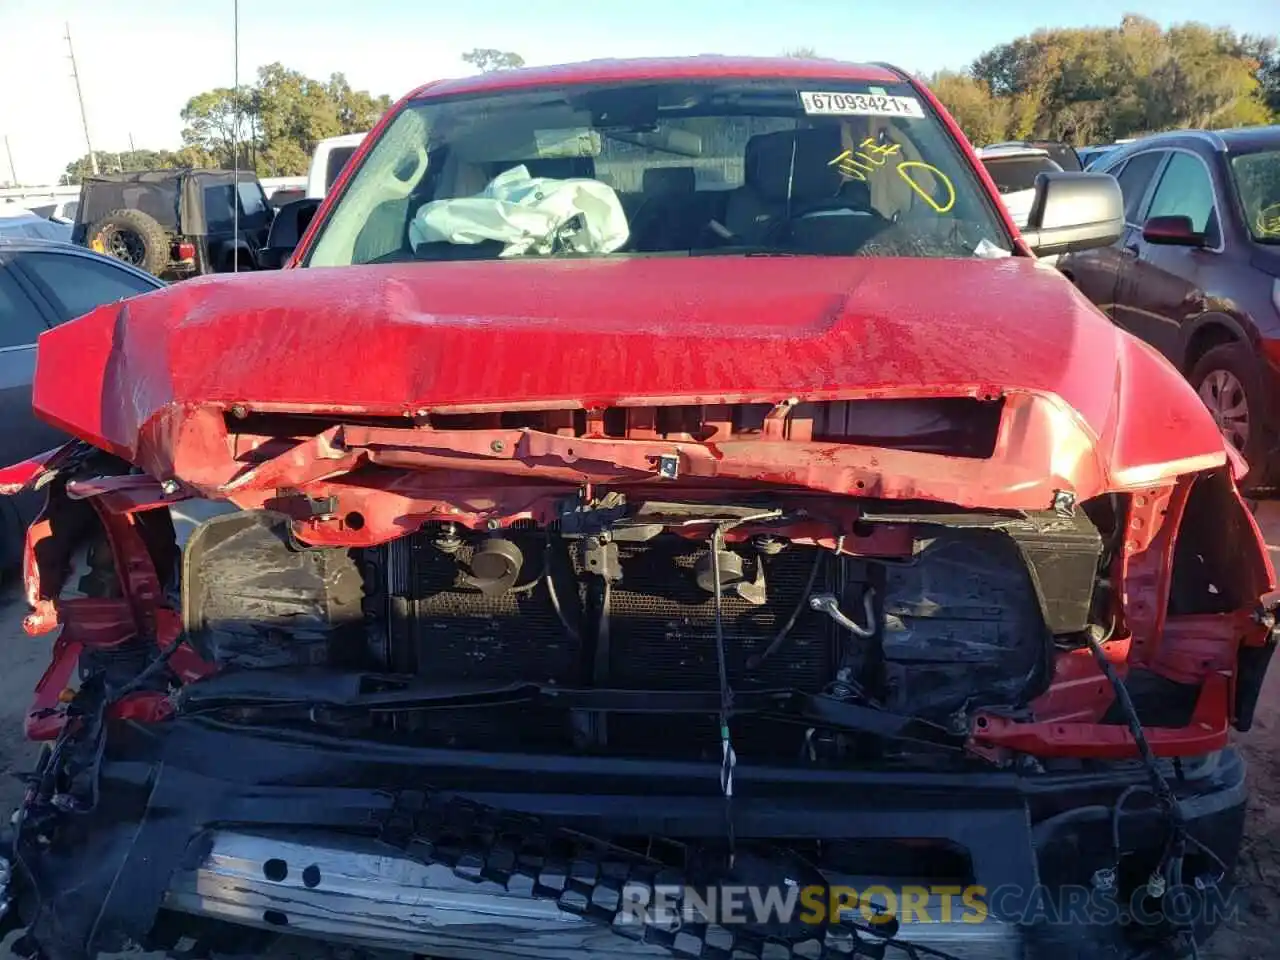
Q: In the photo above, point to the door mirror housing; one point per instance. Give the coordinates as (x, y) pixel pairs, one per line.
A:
(290, 223)
(1073, 212)
(1175, 231)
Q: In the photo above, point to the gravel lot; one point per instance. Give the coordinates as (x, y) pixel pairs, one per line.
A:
(1251, 937)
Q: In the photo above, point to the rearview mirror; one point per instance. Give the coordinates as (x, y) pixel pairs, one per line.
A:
(290, 223)
(1175, 231)
(1074, 211)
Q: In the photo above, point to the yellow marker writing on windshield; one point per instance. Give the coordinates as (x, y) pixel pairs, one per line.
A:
(924, 194)
(1269, 221)
(870, 158)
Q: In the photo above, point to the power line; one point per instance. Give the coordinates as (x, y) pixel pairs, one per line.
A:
(84, 119)
(13, 174)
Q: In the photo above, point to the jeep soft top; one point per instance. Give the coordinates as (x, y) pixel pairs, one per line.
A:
(174, 223)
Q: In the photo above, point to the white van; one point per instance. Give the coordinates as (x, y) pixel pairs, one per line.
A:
(327, 162)
(1014, 168)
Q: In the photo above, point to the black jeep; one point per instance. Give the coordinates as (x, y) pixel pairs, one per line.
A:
(175, 223)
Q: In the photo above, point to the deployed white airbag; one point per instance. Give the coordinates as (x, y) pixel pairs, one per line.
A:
(531, 215)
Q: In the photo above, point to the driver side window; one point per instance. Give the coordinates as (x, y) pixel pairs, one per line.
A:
(1134, 178)
(1185, 190)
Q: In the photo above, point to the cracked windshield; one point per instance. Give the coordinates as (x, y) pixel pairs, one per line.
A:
(693, 168)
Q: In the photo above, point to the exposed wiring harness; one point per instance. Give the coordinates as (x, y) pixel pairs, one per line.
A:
(1168, 872)
(785, 630)
(728, 759)
(43, 781)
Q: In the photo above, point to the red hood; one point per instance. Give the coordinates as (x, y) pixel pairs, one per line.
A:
(394, 339)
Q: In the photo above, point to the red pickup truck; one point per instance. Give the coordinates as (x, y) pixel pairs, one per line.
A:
(662, 507)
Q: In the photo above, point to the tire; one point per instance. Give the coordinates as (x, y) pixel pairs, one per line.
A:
(1229, 381)
(134, 237)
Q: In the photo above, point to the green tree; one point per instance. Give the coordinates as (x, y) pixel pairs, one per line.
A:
(801, 53)
(277, 121)
(358, 110)
(1265, 52)
(223, 122)
(294, 113)
(487, 59)
(1103, 83)
(983, 117)
(125, 161)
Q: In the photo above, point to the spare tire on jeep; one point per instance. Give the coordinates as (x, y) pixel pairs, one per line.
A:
(132, 236)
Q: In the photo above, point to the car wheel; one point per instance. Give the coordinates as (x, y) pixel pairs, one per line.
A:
(134, 237)
(1229, 382)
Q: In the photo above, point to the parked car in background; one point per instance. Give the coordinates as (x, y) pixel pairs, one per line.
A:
(1197, 273)
(285, 195)
(1014, 168)
(43, 284)
(330, 156)
(19, 221)
(688, 479)
(1091, 155)
(60, 211)
(1063, 154)
(175, 223)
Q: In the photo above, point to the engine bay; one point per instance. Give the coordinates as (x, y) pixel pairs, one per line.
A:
(630, 627)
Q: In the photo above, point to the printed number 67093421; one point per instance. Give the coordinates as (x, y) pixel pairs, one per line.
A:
(860, 104)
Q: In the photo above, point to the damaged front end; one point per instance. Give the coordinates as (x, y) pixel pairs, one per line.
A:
(575, 683)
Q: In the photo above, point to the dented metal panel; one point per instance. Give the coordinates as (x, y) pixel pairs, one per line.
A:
(151, 380)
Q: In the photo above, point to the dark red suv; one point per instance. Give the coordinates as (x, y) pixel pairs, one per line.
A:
(1197, 272)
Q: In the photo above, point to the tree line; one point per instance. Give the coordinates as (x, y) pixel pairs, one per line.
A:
(1082, 85)
(272, 125)
(1100, 84)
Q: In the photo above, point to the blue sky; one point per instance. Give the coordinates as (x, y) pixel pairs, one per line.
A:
(141, 59)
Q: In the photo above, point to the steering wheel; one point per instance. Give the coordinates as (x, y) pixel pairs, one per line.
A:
(870, 223)
(831, 204)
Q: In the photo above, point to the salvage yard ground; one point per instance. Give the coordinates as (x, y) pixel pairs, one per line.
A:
(1251, 937)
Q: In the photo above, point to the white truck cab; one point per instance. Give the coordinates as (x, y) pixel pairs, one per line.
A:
(327, 162)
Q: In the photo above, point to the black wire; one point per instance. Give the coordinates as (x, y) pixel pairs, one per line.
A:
(803, 602)
(726, 694)
(728, 759)
(1210, 854)
(1118, 809)
(553, 596)
(1159, 784)
(1175, 851)
(151, 670)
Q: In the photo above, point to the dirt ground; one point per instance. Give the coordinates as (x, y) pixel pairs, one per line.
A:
(1251, 937)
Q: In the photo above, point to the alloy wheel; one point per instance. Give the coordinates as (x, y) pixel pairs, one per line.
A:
(1223, 393)
(127, 246)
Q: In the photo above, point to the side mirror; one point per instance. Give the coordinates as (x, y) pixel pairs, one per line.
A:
(288, 226)
(1173, 231)
(1074, 211)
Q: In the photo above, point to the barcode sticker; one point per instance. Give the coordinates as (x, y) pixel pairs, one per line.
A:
(860, 104)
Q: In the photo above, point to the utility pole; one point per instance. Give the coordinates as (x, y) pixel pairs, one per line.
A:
(84, 119)
(13, 174)
(235, 132)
